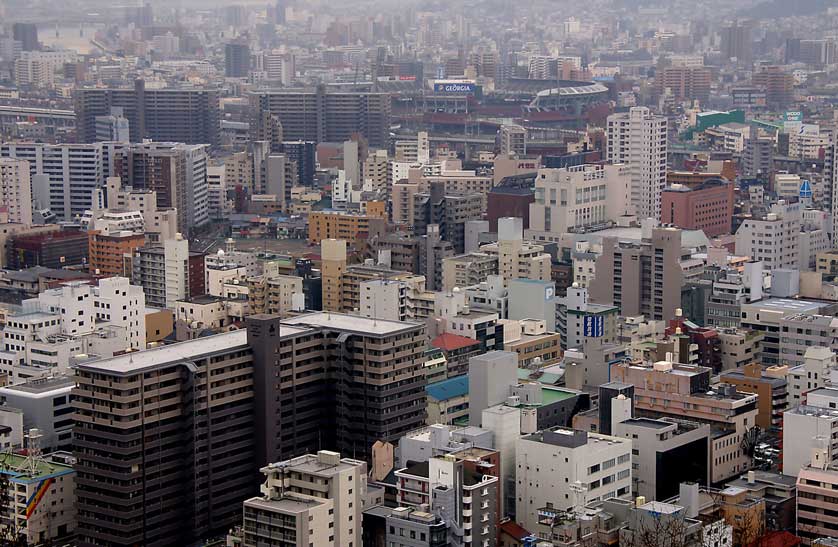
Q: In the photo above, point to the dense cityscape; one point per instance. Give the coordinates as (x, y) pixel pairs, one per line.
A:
(379, 273)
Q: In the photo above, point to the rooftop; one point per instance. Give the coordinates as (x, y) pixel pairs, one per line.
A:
(786, 305)
(41, 386)
(448, 389)
(452, 342)
(18, 469)
(353, 323)
(134, 362)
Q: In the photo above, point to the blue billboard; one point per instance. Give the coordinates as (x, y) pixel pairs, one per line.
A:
(594, 326)
(454, 87)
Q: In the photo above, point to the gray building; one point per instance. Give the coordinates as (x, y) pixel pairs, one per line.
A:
(45, 403)
(532, 299)
(490, 377)
(800, 331)
(408, 527)
(766, 316)
(337, 385)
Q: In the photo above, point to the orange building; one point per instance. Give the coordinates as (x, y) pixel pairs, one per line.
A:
(342, 225)
(107, 251)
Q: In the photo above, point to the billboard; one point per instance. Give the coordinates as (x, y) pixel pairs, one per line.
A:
(454, 87)
(594, 326)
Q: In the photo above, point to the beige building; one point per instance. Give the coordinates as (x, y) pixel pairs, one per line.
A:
(738, 347)
(333, 264)
(467, 270)
(518, 259)
(574, 198)
(310, 500)
(276, 294)
(531, 340)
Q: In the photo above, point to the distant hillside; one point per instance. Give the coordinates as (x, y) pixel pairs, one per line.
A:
(785, 8)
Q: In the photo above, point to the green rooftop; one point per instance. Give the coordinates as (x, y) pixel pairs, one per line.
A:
(551, 395)
(15, 467)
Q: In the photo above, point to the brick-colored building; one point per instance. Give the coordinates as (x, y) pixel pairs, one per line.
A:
(107, 252)
(707, 206)
(342, 225)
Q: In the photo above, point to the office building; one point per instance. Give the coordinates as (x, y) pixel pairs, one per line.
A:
(448, 212)
(236, 60)
(300, 407)
(308, 500)
(640, 279)
(204, 416)
(513, 140)
(185, 115)
(348, 227)
(46, 406)
(707, 206)
(639, 138)
(673, 390)
(562, 468)
(769, 384)
(109, 254)
(815, 503)
(778, 85)
(53, 249)
(576, 199)
(322, 115)
(15, 190)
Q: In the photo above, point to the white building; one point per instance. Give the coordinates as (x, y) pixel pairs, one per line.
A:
(71, 174)
(639, 138)
(311, 500)
(808, 427)
(818, 368)
(772, 238)
(15, 190)
(564, 468)
(573, 198)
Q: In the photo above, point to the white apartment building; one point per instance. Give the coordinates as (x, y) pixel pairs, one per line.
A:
(574, 198)
(64, 177)
(562, 468)
(309, 500)
(818, 368)
(639, 138)
(216, 191)
(15, 190)
(772, 238)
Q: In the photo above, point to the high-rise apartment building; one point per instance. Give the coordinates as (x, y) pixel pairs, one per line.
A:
(684, 83)
(64, 177)
(513, 140)
(640, 279)
(772, 237)
(333, 380)
(15, 190)
(176, 172)
(308, 500)
(639, 138)
(168, 115)
(322, 115)
(737, 42)
(164, 442)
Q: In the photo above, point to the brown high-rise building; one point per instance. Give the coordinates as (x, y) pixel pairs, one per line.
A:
(778, 85)
(684, 82)
(334, 381)
(190, 116)
(321, 115)
(164, 443)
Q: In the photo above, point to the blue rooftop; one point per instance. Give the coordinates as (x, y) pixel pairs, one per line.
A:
(448, 389)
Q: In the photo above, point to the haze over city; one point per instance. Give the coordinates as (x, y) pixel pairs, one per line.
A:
(421, 273)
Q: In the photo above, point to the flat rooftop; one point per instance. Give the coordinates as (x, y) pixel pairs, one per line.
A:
(41, 386)
(131, 363)
(786, 305)
(285, 504)
(16, 467)
(352, 323)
